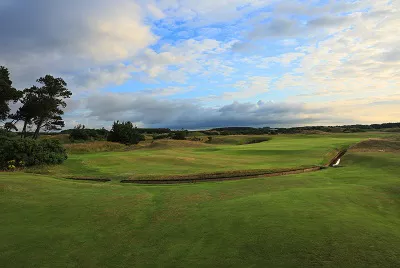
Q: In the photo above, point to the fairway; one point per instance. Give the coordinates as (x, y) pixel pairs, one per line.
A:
(165, 158)
(343, 217)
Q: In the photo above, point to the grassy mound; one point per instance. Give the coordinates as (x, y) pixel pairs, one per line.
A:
(63, 138)
(377, 145)
(93, 147)
(171, 144)
(239, 139)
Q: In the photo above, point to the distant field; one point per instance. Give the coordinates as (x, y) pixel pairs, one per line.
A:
(339, 217)
(184, 157)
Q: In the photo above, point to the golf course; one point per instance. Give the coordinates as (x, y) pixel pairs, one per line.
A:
(348, 216)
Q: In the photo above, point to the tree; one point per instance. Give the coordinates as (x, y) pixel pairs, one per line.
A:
(125, 133)
(43, 105)
(7, 93)
(10, 126)
(180, 135)
(79, 133)
(29, 109)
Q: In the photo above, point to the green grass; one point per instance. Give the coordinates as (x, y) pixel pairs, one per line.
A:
(338, 217)
(172, 158)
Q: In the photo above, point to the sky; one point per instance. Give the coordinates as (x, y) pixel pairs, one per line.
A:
(202, 64)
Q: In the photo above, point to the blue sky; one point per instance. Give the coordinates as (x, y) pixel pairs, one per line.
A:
(199, 64)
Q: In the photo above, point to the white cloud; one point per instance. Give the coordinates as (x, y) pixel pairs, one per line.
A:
(284, 59)
(206, 12)
(360, 59)
(173, 63)
(67, 36)
(249, 88)
(149, 111)
(155, 11)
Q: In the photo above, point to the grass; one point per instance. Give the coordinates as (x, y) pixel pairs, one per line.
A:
(382, 145)
(94, 147)
(168, 158)
(338, 217)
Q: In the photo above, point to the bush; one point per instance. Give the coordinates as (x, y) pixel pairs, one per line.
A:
(29, 152)
(6, 133)
(160, 136)
(80, 133)
(180, 135)
(125, 133)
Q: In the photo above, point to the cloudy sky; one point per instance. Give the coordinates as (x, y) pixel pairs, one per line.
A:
(198, 64)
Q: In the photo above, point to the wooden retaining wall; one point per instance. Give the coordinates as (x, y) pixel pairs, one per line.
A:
(183, 180)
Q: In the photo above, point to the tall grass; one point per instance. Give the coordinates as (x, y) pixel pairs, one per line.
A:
(94, 147)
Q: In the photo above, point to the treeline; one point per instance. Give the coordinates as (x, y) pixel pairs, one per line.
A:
(41, 108)
(122, 132)
(81, 133)
(297, 130)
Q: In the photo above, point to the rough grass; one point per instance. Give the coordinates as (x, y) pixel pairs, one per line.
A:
(238, 139)
(378, 145)
(94, 147)
(63, 138)
(338, 217)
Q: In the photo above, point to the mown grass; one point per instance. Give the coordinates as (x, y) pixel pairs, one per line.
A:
(168, 158)
(338, 217)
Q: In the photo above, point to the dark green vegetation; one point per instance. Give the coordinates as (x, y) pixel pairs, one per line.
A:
(125, 133)
(41, 106)
(81, 134)
(303, 130)
(17, 153)
(338, 217)
(7, 93)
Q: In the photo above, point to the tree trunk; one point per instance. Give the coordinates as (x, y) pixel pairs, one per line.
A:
(38, 127)
(23, 134)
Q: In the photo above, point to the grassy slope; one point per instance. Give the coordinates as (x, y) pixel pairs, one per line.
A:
(343, 217)
(281, 152)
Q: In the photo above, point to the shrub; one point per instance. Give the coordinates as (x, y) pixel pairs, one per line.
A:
(160, 136)
(6, 133)
(28, 152)
(180, 135)
(125, 133)
(80, 133)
